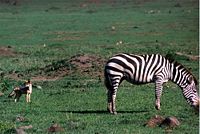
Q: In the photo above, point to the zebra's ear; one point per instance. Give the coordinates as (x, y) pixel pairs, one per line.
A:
(190, 80)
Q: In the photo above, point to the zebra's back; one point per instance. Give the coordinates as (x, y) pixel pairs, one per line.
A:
(135, 68)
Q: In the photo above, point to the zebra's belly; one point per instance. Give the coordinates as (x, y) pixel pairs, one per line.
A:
(138, 81)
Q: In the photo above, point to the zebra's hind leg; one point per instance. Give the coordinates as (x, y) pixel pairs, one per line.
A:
(109, 86)
(112, 83)
(109, 107)
(111, 102)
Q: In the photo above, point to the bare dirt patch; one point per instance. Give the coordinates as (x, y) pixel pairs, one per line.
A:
(81, 64)
(168, 123)
(12, 2)
(88, 65)
(55, 128)
(7, 51)
(190, 57)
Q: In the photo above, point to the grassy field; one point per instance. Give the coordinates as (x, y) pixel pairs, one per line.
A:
(62, 46)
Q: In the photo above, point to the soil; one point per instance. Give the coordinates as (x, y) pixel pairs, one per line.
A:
(190, 57)
(55, 128)
(168, 123)
(7, 51)
(81, 64)
(88, 65)
(154, 121)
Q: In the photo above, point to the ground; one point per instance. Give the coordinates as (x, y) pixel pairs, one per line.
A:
(62, 46)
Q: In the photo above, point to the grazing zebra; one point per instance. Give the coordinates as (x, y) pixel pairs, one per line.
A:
(141, 69)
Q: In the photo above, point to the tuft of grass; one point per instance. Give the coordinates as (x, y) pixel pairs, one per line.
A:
(6, 127)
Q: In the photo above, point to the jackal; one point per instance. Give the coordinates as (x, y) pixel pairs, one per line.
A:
(25, 89)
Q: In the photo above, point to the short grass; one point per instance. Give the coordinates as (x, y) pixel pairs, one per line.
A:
(69, 28)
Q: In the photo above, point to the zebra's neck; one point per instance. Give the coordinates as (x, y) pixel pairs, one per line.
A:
(178, 74)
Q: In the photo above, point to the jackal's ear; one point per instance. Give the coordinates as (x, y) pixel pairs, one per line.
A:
(16, 88)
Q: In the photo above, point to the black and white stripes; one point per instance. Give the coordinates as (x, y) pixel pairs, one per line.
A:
(139, 69)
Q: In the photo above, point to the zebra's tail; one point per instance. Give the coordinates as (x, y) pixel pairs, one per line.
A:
(107, 80)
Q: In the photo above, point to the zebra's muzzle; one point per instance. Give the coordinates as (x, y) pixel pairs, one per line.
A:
(196, 106)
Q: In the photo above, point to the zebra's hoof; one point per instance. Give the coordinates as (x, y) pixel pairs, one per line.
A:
(110, 111)
(114, 113)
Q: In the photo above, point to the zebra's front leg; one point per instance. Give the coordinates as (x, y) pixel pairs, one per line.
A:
(157, 104)
(158, 93)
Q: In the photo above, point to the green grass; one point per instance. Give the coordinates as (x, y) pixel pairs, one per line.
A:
(77, 102)
(83, 110)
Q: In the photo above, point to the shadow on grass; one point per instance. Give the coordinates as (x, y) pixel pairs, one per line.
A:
(99, 111)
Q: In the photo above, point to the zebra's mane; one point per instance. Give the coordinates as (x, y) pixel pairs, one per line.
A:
(176, 64)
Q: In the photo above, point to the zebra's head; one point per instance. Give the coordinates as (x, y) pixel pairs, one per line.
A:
(190, 92)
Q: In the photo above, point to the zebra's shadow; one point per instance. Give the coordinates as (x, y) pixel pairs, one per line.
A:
(100, 111)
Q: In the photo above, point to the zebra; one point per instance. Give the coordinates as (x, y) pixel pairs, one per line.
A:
(142, 69)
